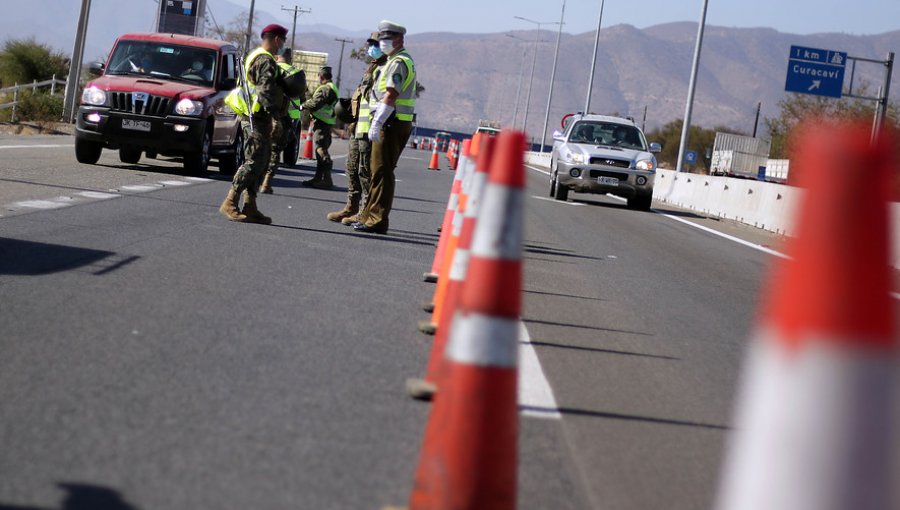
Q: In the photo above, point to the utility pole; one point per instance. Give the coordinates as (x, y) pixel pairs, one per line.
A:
(587, 102)
(74, 78)
(297, 10)
(341, 61)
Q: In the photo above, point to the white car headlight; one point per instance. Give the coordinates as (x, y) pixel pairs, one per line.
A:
(576, 158)
(646, 164)
(93, 96)
(189, 107)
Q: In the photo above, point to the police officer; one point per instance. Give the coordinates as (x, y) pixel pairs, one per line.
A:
(284, 126)
(359, 147)
(392, 101)
(321, 105)
(266, 102)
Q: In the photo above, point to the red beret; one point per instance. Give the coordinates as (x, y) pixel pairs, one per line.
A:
(275, 29)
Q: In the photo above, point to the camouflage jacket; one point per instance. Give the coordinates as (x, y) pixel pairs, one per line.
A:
(264, 73)
(323, 96)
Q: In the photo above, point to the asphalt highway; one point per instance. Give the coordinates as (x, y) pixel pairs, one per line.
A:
(154, 355)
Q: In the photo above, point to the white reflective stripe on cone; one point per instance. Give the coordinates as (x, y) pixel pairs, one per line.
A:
(499, 231)
(813, 429)
(482, 340)
(479, 181)
(460, 264)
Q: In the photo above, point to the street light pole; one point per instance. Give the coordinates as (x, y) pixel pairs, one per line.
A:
(249, 28)
(692, 86)
(587, 102)
(533, 61)
(70, 107)
(519, 86)
(296, 10)
(553, 74)
(341, 61)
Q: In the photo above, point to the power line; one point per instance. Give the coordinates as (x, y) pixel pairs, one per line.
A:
(297, 10)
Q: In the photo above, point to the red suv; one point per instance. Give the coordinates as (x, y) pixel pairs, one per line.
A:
(162, 94)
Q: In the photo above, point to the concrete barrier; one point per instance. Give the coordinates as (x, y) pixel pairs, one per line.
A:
(764, 205)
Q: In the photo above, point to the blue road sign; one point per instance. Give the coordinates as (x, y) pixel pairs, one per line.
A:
(690, 156)
(815, 71)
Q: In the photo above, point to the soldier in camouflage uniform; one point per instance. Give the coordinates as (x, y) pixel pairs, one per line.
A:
(266, 103)
(283, 129)
(359, 148)
(321, 106)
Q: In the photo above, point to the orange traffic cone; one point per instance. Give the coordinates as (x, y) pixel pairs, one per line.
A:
(446, 224)
(429, 327)
(308, 148)
(469, 454)
(434, 164)
(813, 427)
(446, 308)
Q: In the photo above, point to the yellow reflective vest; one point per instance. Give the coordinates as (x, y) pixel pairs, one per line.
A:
(405, 106)
(326, 113)
(235, 98)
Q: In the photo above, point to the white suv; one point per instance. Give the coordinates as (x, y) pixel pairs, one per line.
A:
(601, 154)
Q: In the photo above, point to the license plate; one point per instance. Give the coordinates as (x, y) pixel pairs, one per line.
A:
(609, 181)
(136, 125)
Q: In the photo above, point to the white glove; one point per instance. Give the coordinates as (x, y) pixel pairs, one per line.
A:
(382, 112)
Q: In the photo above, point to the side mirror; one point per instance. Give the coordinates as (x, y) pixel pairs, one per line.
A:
(96, 68)
(229, 83)
(559, 136)
(655, 147)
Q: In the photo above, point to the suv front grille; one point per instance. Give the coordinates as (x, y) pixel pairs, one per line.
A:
(603, 173)
(156, 106)
(619, 163)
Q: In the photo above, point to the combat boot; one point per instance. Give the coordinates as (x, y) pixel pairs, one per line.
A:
(229, 207)
(266, 186)
(315, 180)
(326, 182)
(350, 209)
(252, 213)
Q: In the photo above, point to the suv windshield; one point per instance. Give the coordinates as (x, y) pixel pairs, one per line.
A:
(608, 133)
(183, 63)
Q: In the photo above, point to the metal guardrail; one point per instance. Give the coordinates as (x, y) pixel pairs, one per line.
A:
(52, 83)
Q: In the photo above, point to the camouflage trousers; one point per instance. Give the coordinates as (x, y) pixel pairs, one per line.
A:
(280, 131)
(322, 139)
(358, 159)
(257, 154)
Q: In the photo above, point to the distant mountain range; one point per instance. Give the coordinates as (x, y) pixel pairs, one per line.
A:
(468, 77)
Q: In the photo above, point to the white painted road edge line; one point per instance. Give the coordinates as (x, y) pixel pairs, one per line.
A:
(46, 146)
(535, 394)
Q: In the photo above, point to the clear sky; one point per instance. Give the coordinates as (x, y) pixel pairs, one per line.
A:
(482, 16)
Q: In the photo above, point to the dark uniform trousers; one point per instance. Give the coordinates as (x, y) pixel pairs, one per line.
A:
(257, 153)
(385, 155)
(358, 164)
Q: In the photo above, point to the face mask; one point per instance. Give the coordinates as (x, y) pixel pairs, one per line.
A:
(386, 45)
(375, 52)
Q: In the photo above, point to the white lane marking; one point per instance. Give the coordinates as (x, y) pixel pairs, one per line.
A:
(97, 195)
(39, 204)
(535, 393)
(557, 201)
(45, 146)
(545, 172)
(199, 179)
(174, 183)
(141, 187)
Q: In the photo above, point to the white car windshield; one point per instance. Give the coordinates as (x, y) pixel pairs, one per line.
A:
(608, 133)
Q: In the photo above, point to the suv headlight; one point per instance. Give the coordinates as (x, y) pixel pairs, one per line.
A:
(188, 107)
(646, 164)
(576, 158)
(93, 96)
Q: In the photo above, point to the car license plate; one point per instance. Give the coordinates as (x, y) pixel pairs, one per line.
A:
(609, 181)
(136, 125)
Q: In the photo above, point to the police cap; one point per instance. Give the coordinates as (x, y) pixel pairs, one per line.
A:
(388, 29)
(373, 39)
(275, 29)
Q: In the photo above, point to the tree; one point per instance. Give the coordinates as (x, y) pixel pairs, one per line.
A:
(24, 61)
(795, 108)
(699, 139)
(236, 31)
